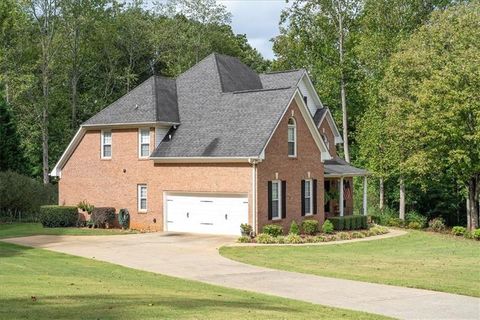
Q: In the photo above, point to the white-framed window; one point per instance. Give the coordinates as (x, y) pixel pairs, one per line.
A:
(292, 138)
(106, 141)
(276, 199)
(143, 142)
(142, 197)
(308, 198)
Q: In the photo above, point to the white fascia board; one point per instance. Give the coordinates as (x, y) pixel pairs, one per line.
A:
(57, 170)
(333, 126)
(315, 94)
(129, 125)
(325, 155)
(203, 159)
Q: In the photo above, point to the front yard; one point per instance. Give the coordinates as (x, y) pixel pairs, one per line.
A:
(39, 284)
(10, 230)
(418, 259)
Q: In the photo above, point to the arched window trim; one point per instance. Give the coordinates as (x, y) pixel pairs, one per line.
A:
(292, 138)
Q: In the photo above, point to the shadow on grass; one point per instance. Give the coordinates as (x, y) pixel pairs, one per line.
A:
(118, 306)
(10, 250)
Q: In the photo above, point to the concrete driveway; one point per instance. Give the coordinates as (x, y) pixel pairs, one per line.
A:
(196, 257)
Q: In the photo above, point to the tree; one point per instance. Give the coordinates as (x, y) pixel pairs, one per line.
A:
(11, 153)
(317, 37)
(432, 93)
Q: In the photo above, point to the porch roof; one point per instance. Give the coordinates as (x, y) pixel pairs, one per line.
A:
(338, 167)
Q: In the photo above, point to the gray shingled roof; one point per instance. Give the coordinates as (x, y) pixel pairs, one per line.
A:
(281, 79)
(340, 167)
(154, 100)
(218, 124)
(319, 115)
(235, 75)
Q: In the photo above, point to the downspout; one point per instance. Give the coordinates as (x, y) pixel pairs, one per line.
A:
(254, 163)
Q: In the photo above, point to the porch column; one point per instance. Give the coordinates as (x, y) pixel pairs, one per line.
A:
(340, 198)
(364, 195)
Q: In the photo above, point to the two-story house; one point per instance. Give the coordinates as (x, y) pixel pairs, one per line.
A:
(218, 146)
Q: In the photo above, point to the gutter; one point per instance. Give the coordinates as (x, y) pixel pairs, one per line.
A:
(254, 163)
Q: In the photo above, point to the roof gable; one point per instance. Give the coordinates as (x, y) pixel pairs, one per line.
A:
(235, 75)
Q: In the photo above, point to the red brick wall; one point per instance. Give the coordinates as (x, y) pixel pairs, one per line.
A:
(104, 182)
(325, 129)
(292, 170)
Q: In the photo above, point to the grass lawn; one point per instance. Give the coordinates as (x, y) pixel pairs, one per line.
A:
(10, 230)
(39, 284)
(418, 259)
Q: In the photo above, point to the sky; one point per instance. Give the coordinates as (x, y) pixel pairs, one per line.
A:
(258, 19)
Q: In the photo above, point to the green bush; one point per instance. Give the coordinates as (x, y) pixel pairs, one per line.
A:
(377, 230)
(246, 229)
(382, 217)
(85, 206)
(414, 216)
(364, 222)
(338, 223)
(327, 227)
(476, 234)
(21, 197)
(279, 239)
(395, 222)
(58, 216)
(343, 236)
(294, 229)
(265, 238)
(357, 234)
(273, 229)
(437, 225)
(102, 217)
(310, 227)
(459, 231)
(414, 225)
(347, 223)
(244, 239)
(293, 239)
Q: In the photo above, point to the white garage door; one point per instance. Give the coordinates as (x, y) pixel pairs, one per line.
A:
(203, 213)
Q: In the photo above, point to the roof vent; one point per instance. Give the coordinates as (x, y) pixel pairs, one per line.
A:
(136, 106)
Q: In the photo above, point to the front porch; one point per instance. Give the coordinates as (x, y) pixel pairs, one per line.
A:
(338, 184)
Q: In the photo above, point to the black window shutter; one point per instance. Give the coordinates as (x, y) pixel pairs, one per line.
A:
(284, 199)
(314, 196)
(302, 200)
(269, 200)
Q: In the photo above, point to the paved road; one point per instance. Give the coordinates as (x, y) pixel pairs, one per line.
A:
(196, 257)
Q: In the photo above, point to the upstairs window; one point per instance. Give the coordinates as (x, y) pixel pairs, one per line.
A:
(144, 142)
(292, 138)
(106, 144)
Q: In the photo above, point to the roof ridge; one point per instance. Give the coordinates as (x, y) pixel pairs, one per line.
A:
(260, 90)
(284, 71)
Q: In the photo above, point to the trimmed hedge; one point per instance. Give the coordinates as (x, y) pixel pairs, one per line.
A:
(58, 216)
(349, 222)
(310, 226)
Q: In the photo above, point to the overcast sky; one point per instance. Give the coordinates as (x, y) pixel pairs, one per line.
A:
(258, 19)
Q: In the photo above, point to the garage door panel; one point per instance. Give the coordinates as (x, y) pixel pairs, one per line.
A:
(211, 214)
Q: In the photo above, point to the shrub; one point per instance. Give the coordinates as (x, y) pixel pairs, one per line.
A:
(293, 239)
(476, 234)
(294, 229)
(21, 197)
(347, 223)
(102, 216)
(459, 231)
(280, 240)
(320, 238)
(246, 229)
(437, 225)
(327, 227)
(363, 222)
(310, 226)
(377, 230)
(85, 206)
(265, 238)
(414, 225)
(357, 234)
(272, 229)
(309, 239)
(382, 217)
(343, 236)
(58, 216)
(124, 218)
(468, 235)
(338, 223)
(414, 216)
(395, 222)
(244, 239)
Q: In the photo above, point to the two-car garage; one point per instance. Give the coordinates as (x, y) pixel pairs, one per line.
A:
(205, 213)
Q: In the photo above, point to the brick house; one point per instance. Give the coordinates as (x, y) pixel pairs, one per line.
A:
(218, 146)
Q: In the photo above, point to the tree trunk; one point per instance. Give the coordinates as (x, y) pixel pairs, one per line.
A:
(382, 195)
(472, 203)
(46, 178)
(342, 89)
(402, 199)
